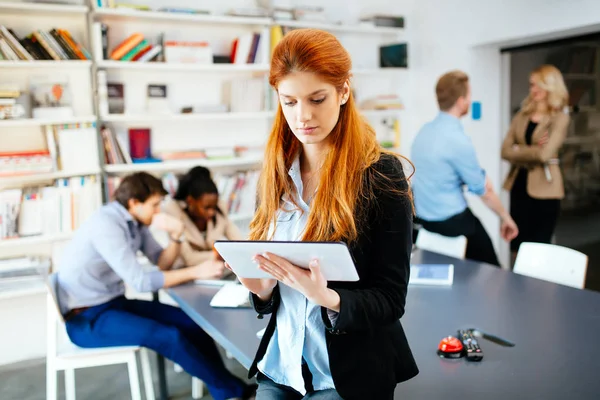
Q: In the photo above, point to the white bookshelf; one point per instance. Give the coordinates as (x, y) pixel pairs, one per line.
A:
(20, 180)
(45, 64)
(164, 66)
(214, 127)
(225, 116)
(30, 289)
(342, 28)
(23, 8)
(181, 165)
(34, 240)
(12, 123)
(127, 14)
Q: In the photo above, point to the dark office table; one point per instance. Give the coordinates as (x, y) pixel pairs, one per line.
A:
(556, 330)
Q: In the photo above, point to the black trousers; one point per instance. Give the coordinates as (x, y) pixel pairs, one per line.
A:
(536, 218)
(479, 244)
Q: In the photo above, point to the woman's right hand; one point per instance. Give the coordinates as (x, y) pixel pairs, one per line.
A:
(263, 288)
(543, 140)
(210, 269)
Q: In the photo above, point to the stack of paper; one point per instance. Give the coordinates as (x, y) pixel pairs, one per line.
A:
(231, 295)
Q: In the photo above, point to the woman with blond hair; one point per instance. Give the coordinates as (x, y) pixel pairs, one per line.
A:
(325, 178)
(535, 136)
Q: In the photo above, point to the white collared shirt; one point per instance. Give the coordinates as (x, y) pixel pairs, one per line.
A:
(300, 331)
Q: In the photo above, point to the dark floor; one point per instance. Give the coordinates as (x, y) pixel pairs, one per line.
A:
(27, 381)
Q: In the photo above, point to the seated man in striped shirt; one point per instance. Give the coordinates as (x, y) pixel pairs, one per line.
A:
(101, 258)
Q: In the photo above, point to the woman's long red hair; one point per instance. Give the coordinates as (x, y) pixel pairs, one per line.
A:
(354, 147)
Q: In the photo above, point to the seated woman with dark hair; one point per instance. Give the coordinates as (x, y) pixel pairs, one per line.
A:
(196, 204)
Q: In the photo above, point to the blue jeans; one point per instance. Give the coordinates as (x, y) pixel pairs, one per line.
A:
(162, 328)
(269, 390)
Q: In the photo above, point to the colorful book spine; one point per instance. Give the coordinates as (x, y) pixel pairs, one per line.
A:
(134, 51)
(42, 41)
(142, 52)
(126, 45)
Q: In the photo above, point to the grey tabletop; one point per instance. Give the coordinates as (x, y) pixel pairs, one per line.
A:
(556, 330)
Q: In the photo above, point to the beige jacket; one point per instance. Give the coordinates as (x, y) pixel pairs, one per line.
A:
(195, 249)
(535, 157)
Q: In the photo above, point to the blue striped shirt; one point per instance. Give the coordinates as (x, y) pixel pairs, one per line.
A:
(101, 257)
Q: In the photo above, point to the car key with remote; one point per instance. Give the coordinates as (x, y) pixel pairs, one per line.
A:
(471, 347)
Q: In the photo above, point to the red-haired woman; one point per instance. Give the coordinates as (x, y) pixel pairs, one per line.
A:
(325, 178)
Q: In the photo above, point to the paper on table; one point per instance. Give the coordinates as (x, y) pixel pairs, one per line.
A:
(431, 274)
(212, 282)
(231, 295)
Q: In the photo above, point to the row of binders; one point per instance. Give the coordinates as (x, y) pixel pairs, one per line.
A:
(56, 44)
(48, 210)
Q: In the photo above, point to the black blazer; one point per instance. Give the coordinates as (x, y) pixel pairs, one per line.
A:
(368, 350)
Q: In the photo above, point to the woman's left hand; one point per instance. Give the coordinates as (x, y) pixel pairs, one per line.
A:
(310, 282)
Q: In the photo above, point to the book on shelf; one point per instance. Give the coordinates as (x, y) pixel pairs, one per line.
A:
(115, 150)
(140, 144)
(391, 21)
(72, 146)
(309, 13)
(134, 48)
(382, 102)
(250, 48)
(181, 155)
(48, 210)
(188, 52)
(252, 12)
(54, 44)
(127, 45)
(246, 95)
(282, 13)
(26, 163)
(238, 191)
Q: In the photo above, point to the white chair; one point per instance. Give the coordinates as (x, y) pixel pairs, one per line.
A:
(63, 355)
(447, 245)
(552, 263)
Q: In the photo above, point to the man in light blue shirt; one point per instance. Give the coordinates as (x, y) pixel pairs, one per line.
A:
(445, 163)
(102, 257)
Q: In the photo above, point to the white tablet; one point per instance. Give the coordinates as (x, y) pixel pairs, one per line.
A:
(334, 257)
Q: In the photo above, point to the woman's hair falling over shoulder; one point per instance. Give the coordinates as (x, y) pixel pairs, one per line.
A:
(344, 184)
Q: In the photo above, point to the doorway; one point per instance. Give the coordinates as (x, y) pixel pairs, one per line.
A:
(578, 58)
